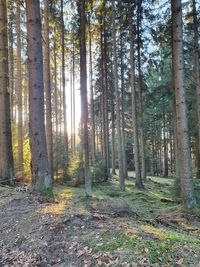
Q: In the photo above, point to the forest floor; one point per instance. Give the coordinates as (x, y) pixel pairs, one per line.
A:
(133, 228)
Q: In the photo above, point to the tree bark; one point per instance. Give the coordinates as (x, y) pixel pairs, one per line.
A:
(140, 90)
(11, 63)
(196, 72)
(138, 182)
(165, 144)
(123, 119)
(6, 158)
(104, 85)
(84, 100)
(41, 177)
(92, 123)
(116, 88)
(65, 162)
(74, 100)
(47, 88)
(19, 90)
(184, 163)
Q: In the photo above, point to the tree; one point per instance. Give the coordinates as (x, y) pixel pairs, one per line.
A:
(84, 101)
(138, 183)
(116, 88)
(64, 94)
(196, 71)
(47, 88)
(11, 59)
(123, 95)
(104, 89)
(187, 190)
(41, 177)
(19, 90)
(140, 95)
(92, 122)
(6, 158)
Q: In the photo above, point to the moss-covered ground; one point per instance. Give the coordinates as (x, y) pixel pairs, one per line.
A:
(113, 228)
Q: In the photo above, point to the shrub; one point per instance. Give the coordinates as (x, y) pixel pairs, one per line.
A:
(98, 172)
(76, 170)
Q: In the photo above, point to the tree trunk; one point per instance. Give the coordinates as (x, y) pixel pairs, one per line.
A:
(140, 89)
(165, 142)
(19, 90)
(65, 163)
(6, 158)
(41, 177)
(138, 182)
(187, 190)
(55, 103)
(74, 100)
(123, 104)
(113, 136)
(104, 106)
(196, 71)
(11, 64)
(118, 124)
(92, 123)
(84, 101)
(113, 125)
(47, 87)
(105, 53)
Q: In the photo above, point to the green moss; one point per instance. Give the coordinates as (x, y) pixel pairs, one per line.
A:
(48, 192)
(111, 242)
(157, 244)
(153, 256)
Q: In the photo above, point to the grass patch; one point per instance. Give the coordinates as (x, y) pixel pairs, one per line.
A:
(48, 192)
(108, 242)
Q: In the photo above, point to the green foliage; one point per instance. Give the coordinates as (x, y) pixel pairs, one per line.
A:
(48, 192)
(24, 176)
(112, 243)
(76, 170)
(98, 172)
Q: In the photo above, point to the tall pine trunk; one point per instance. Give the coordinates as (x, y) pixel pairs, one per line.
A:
(197, 77)
(116, 88)
(187, 190)
(65, 162)
(113, 126)
(11, 62)
(19, 90)
(92, 122)
(138, 182)
(41, 177)
(73, 100)
(6, 158)
(55, 103)
(123, 94)
(84, 100)
(47, 87)
(140, 96)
